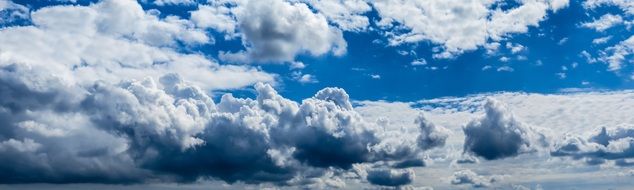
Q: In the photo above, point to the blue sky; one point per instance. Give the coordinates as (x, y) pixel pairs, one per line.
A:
(556, 42)
(238, 94)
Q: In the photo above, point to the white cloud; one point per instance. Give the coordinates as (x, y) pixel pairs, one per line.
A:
(601, 40)
(173, 2)
(346, 14)
(419, 61)
(458, 26)
(505, 69)
(304, 78)
(605, 22)
(625, 5)
(272, 30)
(471, 178)
(616, 55)
(10, 11)
(115, 40)
(515, 48)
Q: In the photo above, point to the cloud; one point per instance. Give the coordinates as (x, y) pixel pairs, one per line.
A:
(114, 40)
(616, 55)
(605, 22)
(456, 26)
(498, 134)
(625, 5)
(471, 178)
(431, 136)
(391, 177)
(614, 144)
(272, 30)
(11, 12)
(136, 131)
(345, 14)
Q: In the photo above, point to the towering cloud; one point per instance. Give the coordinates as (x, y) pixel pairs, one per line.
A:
(498, 134)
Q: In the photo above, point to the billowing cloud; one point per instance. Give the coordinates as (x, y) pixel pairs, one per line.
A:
(498, 134)
(114, 40)
(613, 144)
(458, 26)
(272, 30)
(431, 135)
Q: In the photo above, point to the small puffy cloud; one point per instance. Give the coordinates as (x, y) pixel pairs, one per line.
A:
(605, 22)
(468, 177)
(505, 69)
(419, 61)
(601, 40)
(498, 134)
(390, 177)
(304, 78)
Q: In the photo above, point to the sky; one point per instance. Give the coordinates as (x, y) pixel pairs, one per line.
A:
(317, 94)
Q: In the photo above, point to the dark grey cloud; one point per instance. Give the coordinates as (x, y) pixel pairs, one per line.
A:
(390, 177)
(498, 134)
(138, 131)
(431, 135)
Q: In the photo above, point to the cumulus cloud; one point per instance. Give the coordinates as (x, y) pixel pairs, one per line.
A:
(606, 144)
(114, 40)
(469, 177)
(391, 177)
(471, 25)
(498, 134)
(274, 30)
(431, 136)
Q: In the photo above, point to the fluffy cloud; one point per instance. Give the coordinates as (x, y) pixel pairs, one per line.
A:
(431, 135)
(625, 5)
(498, 134)
(114, 40)
(272, 30)
(471, 26)
(614, 144)
(141, 130)
(471, 178)
(615, 56)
